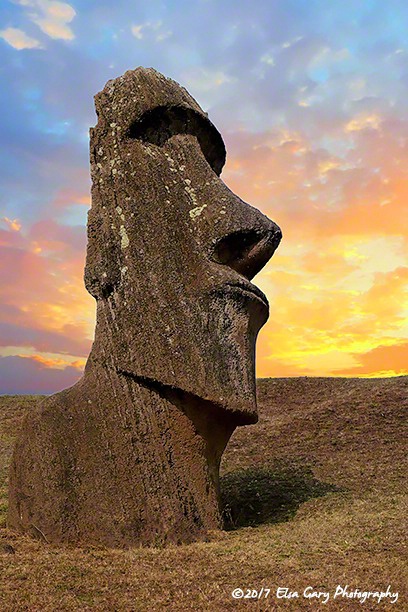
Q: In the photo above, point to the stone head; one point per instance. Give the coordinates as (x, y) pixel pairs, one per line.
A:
(171, 250)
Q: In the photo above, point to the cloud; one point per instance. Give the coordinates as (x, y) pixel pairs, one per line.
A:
(290, 43)
(267, 58)
(69, 340)
(58, 363)
(57, 237)
(137, 31)
(206, 85)
(19, 40)
(51, 17)
(13, 224)
(317, 193)
(44, 304)
(203, 80)
(386, 297)
(383, 360)
(323, 324)
(69, 196)
(30, 376)
(151, 30)
(363, 122)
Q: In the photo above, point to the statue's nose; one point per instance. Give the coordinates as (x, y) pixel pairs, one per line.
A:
(247, 251)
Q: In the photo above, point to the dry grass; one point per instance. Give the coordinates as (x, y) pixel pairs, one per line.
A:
(313, 496)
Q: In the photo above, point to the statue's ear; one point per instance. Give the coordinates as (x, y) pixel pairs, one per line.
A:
(102, 268)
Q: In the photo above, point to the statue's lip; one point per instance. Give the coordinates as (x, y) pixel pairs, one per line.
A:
(248, 287)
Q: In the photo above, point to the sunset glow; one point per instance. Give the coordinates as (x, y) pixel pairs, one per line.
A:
(311, 99)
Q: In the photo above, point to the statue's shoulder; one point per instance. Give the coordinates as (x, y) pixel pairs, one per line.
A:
(56, 406)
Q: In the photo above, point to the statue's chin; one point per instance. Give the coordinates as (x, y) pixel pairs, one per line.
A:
(223, 384)
(210, 354)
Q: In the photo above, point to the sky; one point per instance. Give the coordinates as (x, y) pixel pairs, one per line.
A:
(311, 99)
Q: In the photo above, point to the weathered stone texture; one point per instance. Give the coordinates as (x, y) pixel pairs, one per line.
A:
(131, 453)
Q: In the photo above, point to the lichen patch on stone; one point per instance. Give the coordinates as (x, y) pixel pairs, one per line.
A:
(124, 242)
(190, 191)
(196, 212)
(120, 213)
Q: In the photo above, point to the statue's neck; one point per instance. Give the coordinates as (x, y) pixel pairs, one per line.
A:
(175, 439)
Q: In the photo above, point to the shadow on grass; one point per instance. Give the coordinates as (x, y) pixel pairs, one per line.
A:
(260, 495)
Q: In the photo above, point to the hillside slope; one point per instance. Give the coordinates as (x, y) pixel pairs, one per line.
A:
(313, 496)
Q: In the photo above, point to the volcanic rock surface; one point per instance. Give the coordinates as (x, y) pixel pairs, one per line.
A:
(130, 454)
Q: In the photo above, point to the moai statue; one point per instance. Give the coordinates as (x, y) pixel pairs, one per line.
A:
(130, 454)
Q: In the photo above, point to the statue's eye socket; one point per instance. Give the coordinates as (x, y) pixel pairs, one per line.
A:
(161, 123)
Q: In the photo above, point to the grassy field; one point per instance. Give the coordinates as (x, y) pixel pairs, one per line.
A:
(313, 496)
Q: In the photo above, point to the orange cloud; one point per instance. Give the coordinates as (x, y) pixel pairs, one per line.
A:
(59, 364)
(69, 197)
(13, 224)
(381, 361)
